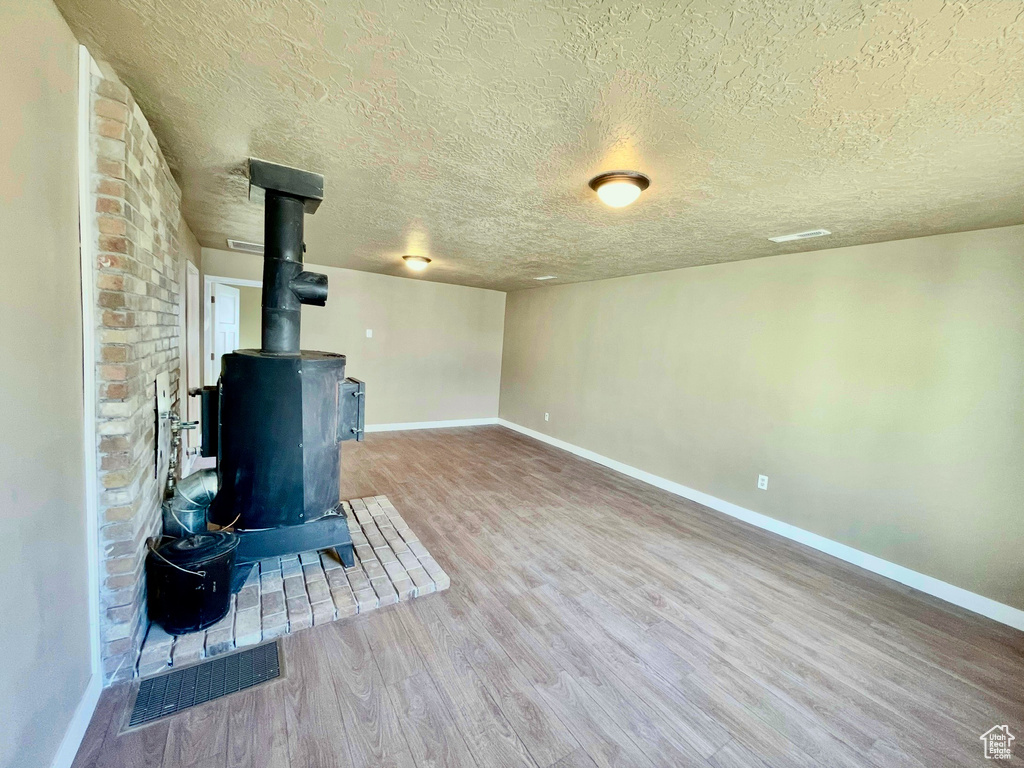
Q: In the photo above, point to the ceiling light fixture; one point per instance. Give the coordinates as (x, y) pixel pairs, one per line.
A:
(800, 235)
(545, 277)
(619, 188)
(416, 263)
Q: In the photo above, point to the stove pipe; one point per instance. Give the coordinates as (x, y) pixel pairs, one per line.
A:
(289, 195)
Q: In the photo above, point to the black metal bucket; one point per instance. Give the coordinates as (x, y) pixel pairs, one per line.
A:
(189, 581)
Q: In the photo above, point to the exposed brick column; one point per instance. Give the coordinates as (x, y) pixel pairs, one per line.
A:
(137, 208)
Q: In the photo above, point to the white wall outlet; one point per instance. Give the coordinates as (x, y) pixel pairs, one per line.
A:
(369, 333)
(547, 417)
(762, 482)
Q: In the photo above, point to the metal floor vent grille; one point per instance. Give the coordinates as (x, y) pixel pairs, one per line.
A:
(184, 688)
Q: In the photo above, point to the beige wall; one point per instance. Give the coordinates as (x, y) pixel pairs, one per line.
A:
(880, 387)
(435, 354)
(250, 305)
(44, 604)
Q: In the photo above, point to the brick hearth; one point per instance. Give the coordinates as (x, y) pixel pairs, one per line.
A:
(287, 594)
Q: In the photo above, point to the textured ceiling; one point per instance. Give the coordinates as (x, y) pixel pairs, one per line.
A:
(467, 131)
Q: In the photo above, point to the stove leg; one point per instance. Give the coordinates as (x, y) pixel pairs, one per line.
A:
(239, 575)
(346, 555)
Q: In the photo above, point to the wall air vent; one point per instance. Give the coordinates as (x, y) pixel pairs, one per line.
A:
(242, 245)
(800, 235)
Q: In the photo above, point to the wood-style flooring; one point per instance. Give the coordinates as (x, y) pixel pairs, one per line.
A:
(595, 620)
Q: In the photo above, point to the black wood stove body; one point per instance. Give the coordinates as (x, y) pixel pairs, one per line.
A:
(279, 412)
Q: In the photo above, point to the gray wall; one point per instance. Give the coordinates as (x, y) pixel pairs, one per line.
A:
(435, 354)
(250, 317)
(44, 602)
(880, 387)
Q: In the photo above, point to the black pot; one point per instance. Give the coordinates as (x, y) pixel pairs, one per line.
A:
(189, 581)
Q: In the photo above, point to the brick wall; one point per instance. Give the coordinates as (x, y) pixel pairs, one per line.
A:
(139, 267)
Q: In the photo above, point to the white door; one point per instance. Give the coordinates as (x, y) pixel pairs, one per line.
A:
(225, 325)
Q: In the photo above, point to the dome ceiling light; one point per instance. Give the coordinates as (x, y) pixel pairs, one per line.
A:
(619, 188)
(416, 263)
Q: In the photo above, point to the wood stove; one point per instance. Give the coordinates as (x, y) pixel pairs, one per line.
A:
(277, 416)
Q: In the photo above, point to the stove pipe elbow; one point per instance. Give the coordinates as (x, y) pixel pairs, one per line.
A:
(288, 195)
(196, 491)
(185, 512)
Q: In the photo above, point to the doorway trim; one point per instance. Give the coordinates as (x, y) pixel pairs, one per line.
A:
(208, 282)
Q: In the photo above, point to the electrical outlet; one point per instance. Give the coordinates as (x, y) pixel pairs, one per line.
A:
(369, 333)
(762, 482)
(547, 417)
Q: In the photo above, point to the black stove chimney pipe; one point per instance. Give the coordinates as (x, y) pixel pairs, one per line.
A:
(290, 194)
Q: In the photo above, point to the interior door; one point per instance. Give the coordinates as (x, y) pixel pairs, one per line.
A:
(225, 324)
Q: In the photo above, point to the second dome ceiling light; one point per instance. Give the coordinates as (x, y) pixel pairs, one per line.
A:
(416, 263)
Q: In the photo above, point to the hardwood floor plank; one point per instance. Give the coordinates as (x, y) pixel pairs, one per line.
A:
(144, 747)
(489, 620)
(396, 656)
(635, 674)
(258, 728)
(544, 735)
(434, 738)
(735, 755)
(372, 726)
(196, 738)
(598, 732)
(316, 730)
(576, 759)
(480, 721)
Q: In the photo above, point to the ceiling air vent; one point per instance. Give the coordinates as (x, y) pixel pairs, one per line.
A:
(242, 245)
(800, 235)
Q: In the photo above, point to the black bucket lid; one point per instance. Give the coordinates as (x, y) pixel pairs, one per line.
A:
(199, 548)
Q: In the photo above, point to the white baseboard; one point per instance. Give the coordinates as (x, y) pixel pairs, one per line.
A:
(985, 606)
(79, 723)
(431, 424)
